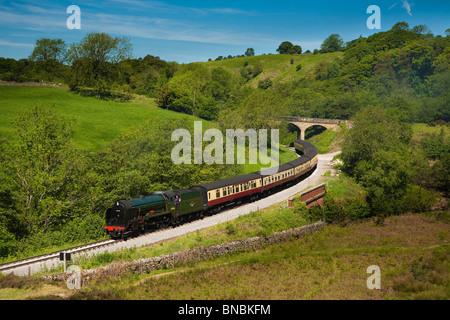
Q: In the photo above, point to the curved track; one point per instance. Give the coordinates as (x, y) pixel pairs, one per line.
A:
(43, 262)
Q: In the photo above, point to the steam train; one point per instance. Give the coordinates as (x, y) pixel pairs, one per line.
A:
(165, 208)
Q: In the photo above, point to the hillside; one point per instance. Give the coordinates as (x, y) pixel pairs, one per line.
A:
(97, 121)
(401, 70)
(279, 68)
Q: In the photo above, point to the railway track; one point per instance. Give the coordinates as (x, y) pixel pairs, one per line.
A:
(31, 265)
(36, 264)
(23, 266)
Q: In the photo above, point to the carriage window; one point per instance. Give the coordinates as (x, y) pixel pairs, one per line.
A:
(217, 193)
(224, 191)
(209, 195)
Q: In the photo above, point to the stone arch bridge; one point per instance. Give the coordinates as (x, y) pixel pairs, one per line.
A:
(304, 123)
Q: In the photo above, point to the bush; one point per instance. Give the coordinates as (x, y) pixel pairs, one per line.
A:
(417, 199)
(7, 242)
(90, 228)
(339, 210)
(434, 145)
(265, 84)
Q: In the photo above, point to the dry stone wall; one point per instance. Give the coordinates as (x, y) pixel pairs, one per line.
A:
(184, 257)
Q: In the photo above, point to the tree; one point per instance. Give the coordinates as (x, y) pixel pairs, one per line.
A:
(375, 152)
(288, 47)
(373, 129)
(400, 26)
(49, 50)
(49, 54)
(421, 29)
(250, 52)
(332, 43)
(95, 59)
(42, 165)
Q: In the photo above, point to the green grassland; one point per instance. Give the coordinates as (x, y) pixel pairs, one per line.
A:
(421, 130)
(278, 67)
(97, 122)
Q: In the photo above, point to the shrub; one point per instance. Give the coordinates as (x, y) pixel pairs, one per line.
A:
(339, 210)
(7, 242)
(417, 199)
(265, 84)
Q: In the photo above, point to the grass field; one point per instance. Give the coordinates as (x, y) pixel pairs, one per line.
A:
(421, 130)
(278, 67)
(97, 121)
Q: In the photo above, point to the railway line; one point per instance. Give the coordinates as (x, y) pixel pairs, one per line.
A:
(33, 265)
(27, 266)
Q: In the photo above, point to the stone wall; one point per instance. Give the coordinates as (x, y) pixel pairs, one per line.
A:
(184, 257)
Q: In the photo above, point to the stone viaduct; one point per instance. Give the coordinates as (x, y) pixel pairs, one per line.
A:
(304, 123)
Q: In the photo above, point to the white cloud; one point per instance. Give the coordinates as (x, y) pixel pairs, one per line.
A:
(407, 6)
(15, 44)
(178, 25)
(393, 5)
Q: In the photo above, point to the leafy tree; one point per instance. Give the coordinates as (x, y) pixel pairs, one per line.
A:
(373, 129)
(385, 177)
(95, 60)
(265, 84)
(400, 26)
(441, 173)
(42, 165)
(288, 47)
(421, 29)
(375, 152)
(49, 50)
(250, 52)
(332, 43)
(49, 55)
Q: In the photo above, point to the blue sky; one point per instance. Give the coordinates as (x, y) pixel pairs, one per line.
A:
(189, 31)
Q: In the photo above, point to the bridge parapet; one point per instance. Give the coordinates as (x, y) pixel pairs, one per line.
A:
(303, 123)
(314, 120)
